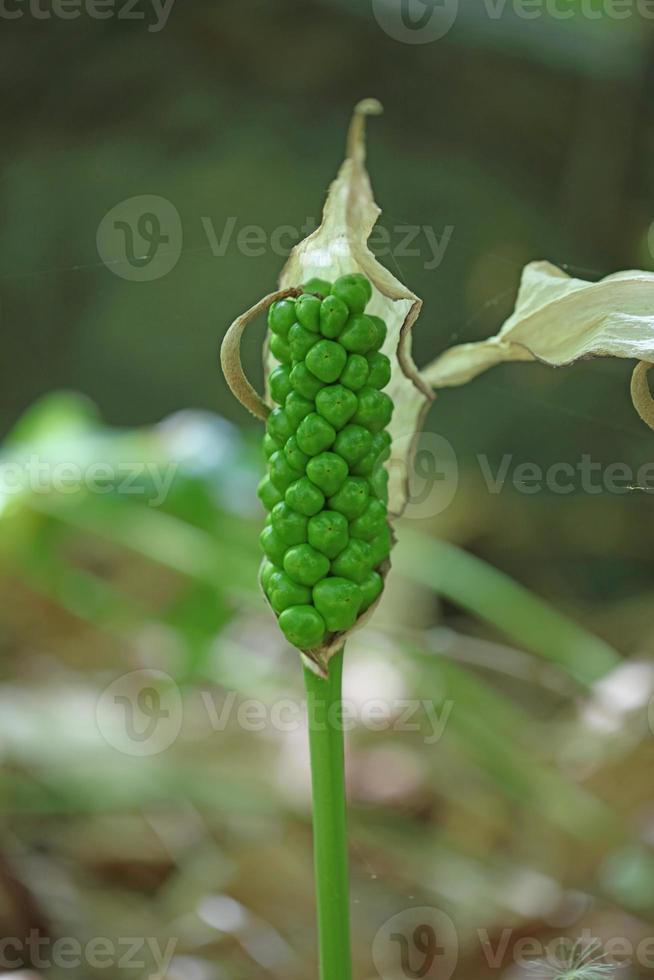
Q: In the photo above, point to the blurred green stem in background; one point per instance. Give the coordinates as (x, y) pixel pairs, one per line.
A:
(324, 710)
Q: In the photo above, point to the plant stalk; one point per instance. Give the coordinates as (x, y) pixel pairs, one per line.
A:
(324, 707)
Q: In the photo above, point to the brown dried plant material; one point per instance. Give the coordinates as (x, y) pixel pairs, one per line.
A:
(641, 394)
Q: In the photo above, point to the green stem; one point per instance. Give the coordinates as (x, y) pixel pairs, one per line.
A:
(329, 820)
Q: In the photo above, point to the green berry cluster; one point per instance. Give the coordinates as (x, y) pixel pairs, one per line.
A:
(326, 489)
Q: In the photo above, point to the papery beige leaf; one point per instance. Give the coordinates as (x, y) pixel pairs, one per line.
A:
(558, 320)
(340, 246)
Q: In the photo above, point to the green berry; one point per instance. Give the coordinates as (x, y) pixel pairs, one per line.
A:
(352, 443)
(289, 525)
(305, 497)
(326, 360)
(327, 471)
(380, 329)
(359, 335)
(315, 434)
(305, 565)
(296, 458)
(303, 626)
(366, 464)
(371, 588)
(304, 382)
(361, 280)
(325, 440)
(333, 317)
(297, 408)
(338, 601)
(355, 373)
(280, 384)
(380, 370)
(280, 349)
(273, 546)
(279, 425)
(336, 404)
(284, 592)
(371, 523)
(354, 561)
(307, 310)
(380, 547)
(281, 316)
(268, 494)
(267, 570)
(328, 533)
(352, 291)
(281, 473)
(375, 409)
(379, 483)
(270, 445)
(300, 341)
(381, 445)
(352, 499)
(316, 285)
